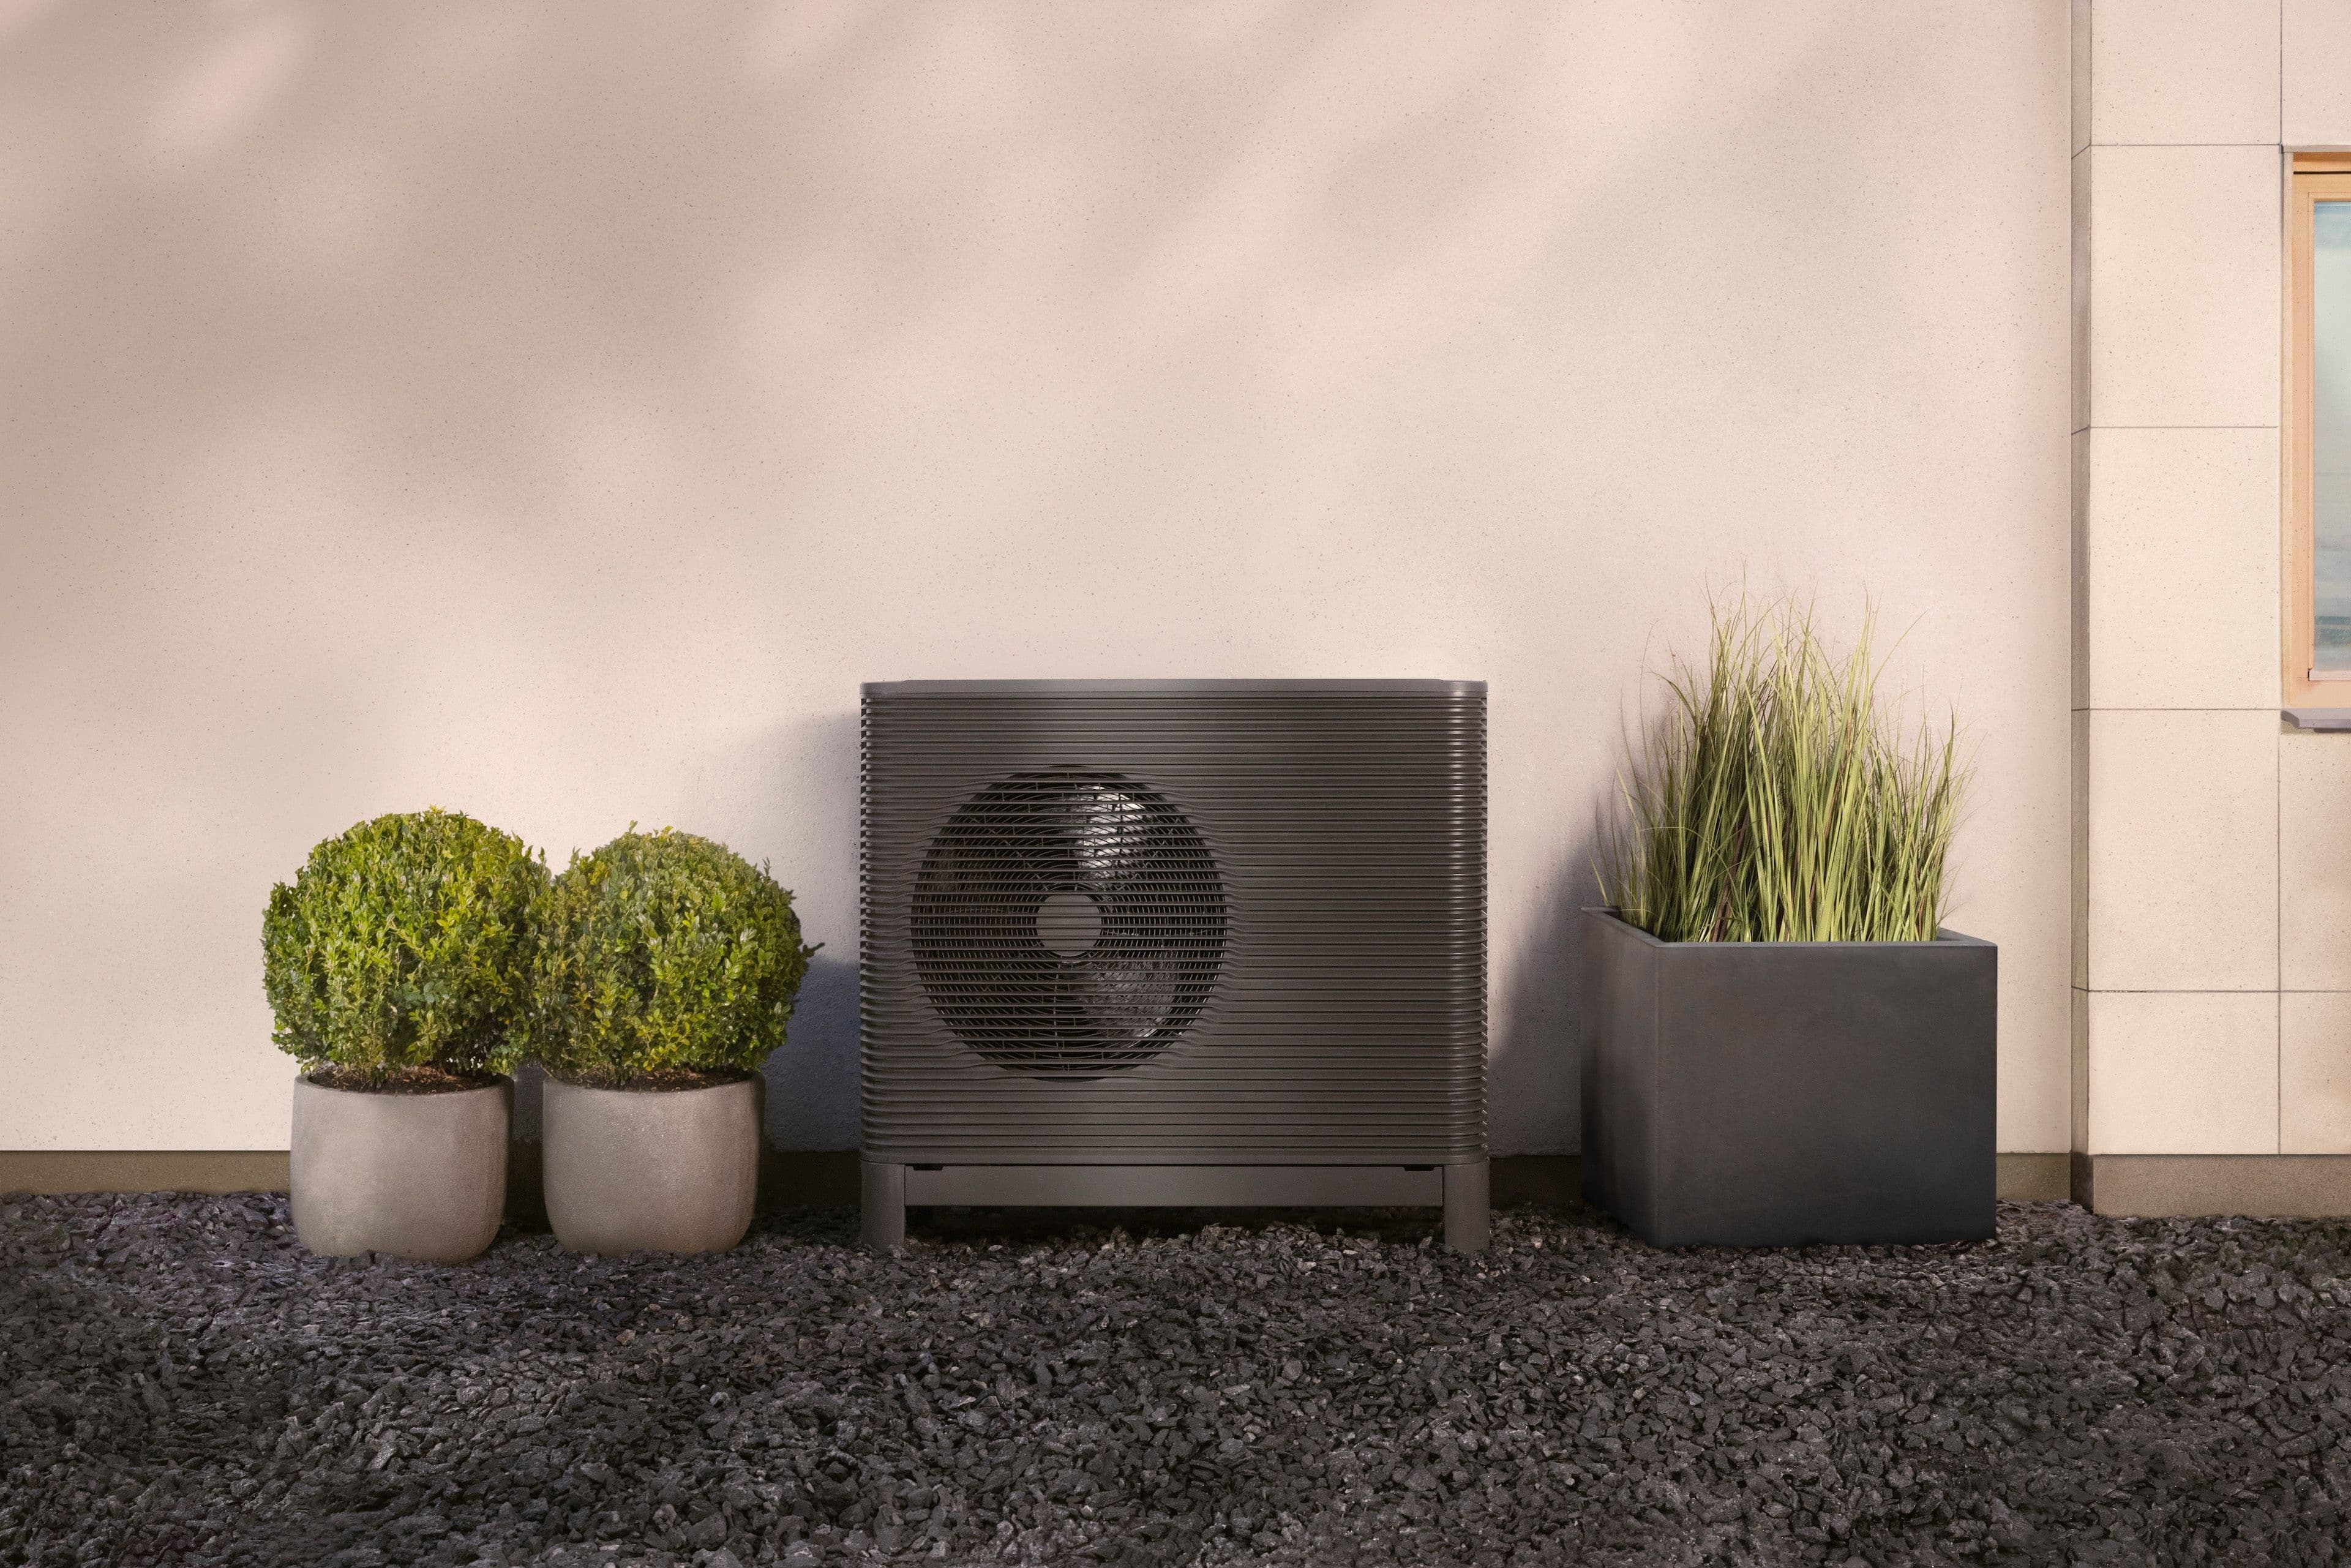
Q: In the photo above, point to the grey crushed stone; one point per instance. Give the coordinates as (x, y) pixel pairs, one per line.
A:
(181, 1384)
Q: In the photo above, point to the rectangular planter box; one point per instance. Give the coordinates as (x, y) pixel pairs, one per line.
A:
(1773, 1093)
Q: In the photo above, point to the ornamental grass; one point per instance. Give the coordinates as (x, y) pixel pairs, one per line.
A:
(1778, 801)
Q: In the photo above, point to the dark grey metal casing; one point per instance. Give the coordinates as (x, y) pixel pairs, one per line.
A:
(1338, 1053)
(1773, 1093)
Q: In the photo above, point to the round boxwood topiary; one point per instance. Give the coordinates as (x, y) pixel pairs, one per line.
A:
(664, 958)
(400, 954)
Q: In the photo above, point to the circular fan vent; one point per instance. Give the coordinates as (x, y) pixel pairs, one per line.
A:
(1069, 923)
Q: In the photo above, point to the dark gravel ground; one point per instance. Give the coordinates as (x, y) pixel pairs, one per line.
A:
(181, 1384)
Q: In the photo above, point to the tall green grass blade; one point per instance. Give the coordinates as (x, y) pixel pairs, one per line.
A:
(1775, 800)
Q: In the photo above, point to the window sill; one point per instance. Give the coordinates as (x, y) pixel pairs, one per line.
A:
(2320, 717)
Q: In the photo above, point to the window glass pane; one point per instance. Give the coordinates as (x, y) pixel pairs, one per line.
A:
(2330, 443)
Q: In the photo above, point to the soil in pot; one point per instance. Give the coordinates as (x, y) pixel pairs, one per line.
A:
(407, 1080)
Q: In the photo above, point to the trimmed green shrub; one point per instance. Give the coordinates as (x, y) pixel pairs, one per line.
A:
(404, 943)
(1777, 801)
(664, 955)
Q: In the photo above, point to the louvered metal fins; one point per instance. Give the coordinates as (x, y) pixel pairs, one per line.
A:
(1234, 924)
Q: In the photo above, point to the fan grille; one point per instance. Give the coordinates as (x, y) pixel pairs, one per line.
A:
(1068, 924)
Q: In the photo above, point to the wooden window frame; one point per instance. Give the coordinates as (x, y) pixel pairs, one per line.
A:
(2314, 177)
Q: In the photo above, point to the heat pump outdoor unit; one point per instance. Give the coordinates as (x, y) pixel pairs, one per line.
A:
(1174, 943)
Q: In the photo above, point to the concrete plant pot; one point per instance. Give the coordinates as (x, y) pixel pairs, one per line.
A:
(1773, 1093)
(416, 1176)
(651, 1170)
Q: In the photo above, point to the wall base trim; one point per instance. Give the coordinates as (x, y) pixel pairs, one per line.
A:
(143, 1170)
(788, 1178)
(2277, 1187)
(2035, 1179)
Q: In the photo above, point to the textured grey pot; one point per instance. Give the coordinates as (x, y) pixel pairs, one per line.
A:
(417, 1176)
(651, 1170)
(1772, 1094)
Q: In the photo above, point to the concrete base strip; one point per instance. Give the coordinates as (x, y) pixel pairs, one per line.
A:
(798, 1178)
(2280, 1186)
(143, 1170)
(2035, 1178)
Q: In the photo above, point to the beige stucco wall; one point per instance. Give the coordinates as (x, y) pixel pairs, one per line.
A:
(2213, 900)
(554, 413)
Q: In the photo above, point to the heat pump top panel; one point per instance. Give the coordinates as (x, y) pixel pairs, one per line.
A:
(1175, 921)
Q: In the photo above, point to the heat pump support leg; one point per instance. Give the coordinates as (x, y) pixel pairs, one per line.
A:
(884, 1204)
(1466, 1205)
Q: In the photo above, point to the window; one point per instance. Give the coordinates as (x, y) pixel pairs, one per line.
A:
(2318, 435)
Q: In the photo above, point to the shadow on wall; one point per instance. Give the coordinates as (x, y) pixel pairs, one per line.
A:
(792, 792)
(811, 1106)
(811, 1082)
(1533, 1105)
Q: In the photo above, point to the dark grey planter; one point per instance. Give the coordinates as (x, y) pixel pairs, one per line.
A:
(1773, 1093)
